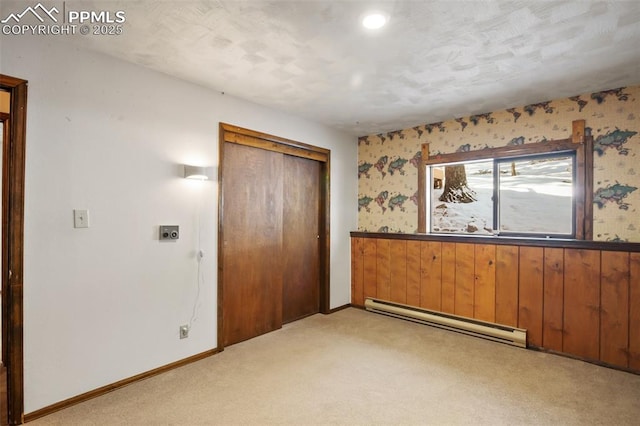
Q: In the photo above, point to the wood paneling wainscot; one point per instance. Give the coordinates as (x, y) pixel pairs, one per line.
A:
(580, 298)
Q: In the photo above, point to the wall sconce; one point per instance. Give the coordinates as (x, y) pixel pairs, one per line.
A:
(196, 172)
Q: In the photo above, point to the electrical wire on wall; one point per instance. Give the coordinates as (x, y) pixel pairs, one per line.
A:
(199, 259)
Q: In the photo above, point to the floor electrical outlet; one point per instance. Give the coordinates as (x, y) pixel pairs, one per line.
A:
(184, 331)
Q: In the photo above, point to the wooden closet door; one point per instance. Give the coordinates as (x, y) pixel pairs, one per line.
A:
(252, 239)
(300, 253)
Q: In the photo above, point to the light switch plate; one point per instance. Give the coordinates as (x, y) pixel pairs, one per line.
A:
(81, 218)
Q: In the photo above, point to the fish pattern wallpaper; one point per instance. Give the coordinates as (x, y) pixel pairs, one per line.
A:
(388, 163)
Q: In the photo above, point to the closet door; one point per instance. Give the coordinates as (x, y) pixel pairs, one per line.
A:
(300, 252)
(252, 242)
(273, 233)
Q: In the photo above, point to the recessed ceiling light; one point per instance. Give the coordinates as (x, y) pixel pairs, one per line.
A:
(374, 20)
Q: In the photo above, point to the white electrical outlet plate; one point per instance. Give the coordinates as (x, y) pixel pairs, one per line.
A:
(184, 331)
(81, 218)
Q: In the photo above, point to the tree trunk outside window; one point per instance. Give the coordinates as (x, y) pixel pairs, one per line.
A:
(456, 189)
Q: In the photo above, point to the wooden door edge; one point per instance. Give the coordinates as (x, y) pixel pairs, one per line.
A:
(13, 319)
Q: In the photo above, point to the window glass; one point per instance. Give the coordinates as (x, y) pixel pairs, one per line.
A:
(461, 198)
(536, 195)
(531, 196)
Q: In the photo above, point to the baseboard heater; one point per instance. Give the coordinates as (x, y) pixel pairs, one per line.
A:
(487, 330)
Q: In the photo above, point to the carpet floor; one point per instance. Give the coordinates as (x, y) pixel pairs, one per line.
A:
(359, 368)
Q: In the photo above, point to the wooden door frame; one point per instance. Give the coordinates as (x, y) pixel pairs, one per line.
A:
(238, 135)
(13, 172)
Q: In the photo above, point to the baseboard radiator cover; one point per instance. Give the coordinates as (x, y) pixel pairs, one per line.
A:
(486, 330)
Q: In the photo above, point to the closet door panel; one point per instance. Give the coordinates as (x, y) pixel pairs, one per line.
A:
(252, 265)
(300, 253)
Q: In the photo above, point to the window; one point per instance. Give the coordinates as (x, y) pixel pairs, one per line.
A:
(525, 196)
(539, 190)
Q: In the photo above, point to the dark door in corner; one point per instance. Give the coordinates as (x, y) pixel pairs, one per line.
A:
(273, 209)
(300, 238)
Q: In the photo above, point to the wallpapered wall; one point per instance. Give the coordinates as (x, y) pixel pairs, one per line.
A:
(388, 163)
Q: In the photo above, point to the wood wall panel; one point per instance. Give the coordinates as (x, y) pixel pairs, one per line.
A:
(448, 277)
(431, 275)
(413, 272)
(614, 312)
(484, 303)
(553, 298)
(383, 269)
(530, 297)
(398, 271)
(582, 303)
(465, 264)
(370, 247)
(357, 271)
(634, 311)
(507, 272)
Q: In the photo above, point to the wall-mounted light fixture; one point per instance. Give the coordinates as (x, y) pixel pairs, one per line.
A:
(196, 172)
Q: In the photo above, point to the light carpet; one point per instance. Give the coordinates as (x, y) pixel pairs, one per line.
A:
(359, 368)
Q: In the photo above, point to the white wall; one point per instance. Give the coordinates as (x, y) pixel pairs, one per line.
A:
(105, 303)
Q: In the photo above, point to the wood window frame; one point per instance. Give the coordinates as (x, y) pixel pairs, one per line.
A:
(578, 143)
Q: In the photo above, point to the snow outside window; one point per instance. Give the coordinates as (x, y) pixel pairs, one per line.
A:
(519, 196)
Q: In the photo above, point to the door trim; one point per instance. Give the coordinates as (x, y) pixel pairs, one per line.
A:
(238, 135)
(13, 172)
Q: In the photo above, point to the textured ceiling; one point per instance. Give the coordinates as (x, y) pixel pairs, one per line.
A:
(435, 60)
